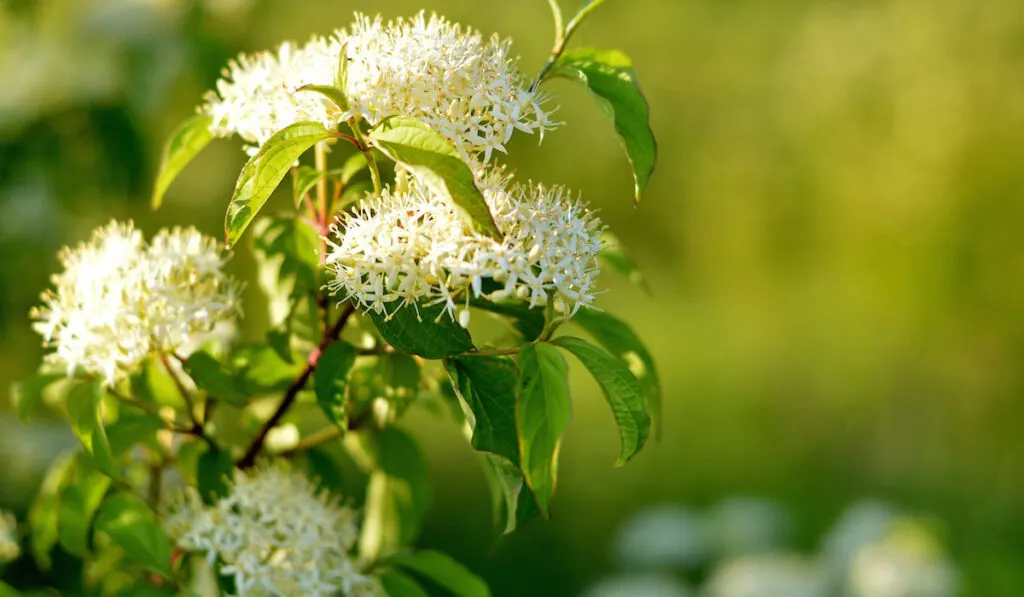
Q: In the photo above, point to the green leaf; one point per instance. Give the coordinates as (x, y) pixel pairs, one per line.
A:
(614, 255)
(353, 165)
(486, 387)
(392, 376)
(286, 250)
(444, 571)
(397, 496)
(619, 339)
(27, 395)
(528, 322)
(184, 144)
(621, 389)
(399, 584)
(7, 590)
(134, 527)
(261, 174)
(214, 379)
(543, 412)
(259, 369)
(154, 385)
(84, 403)
(330, 379)
(78, 503)
(213, 473)
(335, 95)
(513, 503)
(423, 331)
(325, 470)
(44, 512)
(132, 428)
(609, 76)
(432, 159)
(304, 178)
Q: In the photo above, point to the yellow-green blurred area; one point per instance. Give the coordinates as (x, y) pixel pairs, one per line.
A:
(833, 239)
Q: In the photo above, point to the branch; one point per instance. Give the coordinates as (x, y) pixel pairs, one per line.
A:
(330, 335)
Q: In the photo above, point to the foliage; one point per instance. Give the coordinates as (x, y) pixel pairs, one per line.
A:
(179, 394)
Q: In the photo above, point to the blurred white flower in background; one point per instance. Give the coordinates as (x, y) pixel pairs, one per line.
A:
(405, 248)
(119, 301)
(908, 562)
(862, 524)
(275, 533)
(768, 575)
(872, 551)
(639, 585)
(662, 537)
(745, 525)
(9, 548)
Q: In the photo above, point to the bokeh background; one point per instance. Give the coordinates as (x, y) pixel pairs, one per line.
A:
(832, 239)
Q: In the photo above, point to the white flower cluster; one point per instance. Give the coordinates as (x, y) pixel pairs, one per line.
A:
(415, 247)
(9, 548)
(276, 535)
(259, 96)
(466, 88)
(119, 300)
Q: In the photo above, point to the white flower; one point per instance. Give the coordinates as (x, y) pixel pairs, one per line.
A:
(258, 94)
(119, 300)
(415, 247)
(9, 548)
(908, 562)
(276, 535)
(465, 87)
(768, 575)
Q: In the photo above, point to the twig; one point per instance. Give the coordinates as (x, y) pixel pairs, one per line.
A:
(562, 36)
(181, 389)
(330, 335)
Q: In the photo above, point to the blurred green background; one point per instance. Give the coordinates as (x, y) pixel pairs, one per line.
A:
(833, 240)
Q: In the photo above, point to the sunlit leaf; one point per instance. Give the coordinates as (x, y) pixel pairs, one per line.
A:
(609, 76)
(185, 142)
(261, 174)
(432, 159)
(399, 584)
(214, 379)
(397, 496)
(304, 179)
(134, 527)
(84, 403)
(621, 389)
(441, 569)
(619, 339)
(543, 411)
(44, 512)
(78, 501)
(27, 395)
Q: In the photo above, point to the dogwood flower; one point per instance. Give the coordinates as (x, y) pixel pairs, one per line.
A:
(467, 88)
(414, 247)
(259, 93)
(120, 300)
(276, 534)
